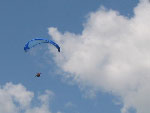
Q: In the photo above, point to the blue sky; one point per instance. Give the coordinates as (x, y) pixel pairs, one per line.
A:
(22, 20)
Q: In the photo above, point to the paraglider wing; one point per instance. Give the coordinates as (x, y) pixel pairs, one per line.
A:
(37, 41)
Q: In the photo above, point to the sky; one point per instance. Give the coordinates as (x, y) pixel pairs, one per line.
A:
(103, 66)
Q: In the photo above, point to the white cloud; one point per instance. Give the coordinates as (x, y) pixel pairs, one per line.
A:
(69, 105)
(112, 54)
(59, 112)
(16, 99)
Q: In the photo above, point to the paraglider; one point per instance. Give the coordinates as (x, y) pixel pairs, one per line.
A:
(36, 41)
(38, 75)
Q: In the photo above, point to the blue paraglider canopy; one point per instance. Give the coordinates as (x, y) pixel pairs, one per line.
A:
(37, 41)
